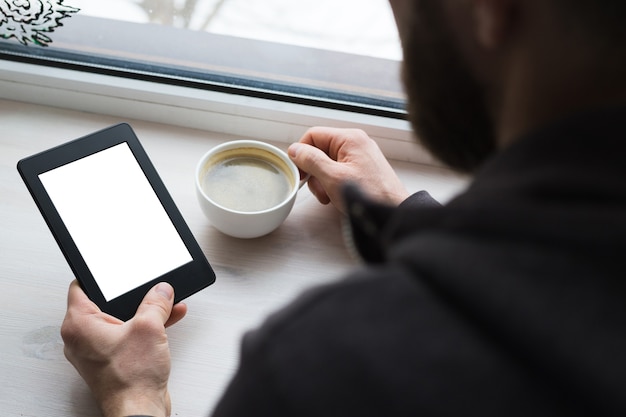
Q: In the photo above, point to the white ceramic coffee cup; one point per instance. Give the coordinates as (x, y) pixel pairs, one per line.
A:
(237, 222)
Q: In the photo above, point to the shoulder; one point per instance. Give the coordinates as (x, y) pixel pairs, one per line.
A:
(367, 295)
(376, 343)
(327, 350)
(383, 341)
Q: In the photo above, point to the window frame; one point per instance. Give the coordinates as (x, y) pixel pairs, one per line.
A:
(57, 78)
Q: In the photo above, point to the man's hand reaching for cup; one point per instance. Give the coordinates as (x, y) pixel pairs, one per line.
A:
(334, 157)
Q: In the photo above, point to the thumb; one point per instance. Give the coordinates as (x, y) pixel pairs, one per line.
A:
(158, 302)
(310, 159)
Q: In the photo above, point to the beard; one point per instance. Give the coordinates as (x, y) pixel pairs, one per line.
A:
(446, 103)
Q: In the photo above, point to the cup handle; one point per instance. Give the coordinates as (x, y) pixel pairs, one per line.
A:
(304, 180)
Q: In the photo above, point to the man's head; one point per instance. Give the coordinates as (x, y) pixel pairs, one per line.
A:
(478, 73)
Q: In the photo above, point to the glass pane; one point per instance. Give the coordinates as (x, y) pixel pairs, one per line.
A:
(340, 53)
(353, 26)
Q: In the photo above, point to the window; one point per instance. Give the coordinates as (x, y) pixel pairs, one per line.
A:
(336, 54)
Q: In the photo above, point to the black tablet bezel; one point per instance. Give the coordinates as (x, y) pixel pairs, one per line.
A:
(186, 280)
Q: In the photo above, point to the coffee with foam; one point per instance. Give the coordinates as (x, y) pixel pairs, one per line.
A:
(246, 182)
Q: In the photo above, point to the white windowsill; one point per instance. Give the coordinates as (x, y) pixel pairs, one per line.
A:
(188, 107)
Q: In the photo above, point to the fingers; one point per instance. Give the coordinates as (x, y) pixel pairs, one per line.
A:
(321, 137)
(310, 159)
(315, 162)
(178, 313)
(331, 139)
(78, 302)
(158, 303)
(332, 157)
(76, 297)
(81, 323)
(317, 189)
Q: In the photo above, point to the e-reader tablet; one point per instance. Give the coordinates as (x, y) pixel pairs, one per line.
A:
(114, 220)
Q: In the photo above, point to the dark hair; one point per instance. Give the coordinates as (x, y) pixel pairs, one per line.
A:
(602, 20)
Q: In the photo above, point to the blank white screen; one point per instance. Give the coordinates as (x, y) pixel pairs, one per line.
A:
(116, 220)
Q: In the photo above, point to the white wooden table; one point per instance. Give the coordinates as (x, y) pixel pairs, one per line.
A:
(254, 277)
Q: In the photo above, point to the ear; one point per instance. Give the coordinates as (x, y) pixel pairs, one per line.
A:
(495, 21)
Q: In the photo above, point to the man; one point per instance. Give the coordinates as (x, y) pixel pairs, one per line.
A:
(509, 300)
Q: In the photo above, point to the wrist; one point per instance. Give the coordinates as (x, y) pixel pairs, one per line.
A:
(136, 405)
